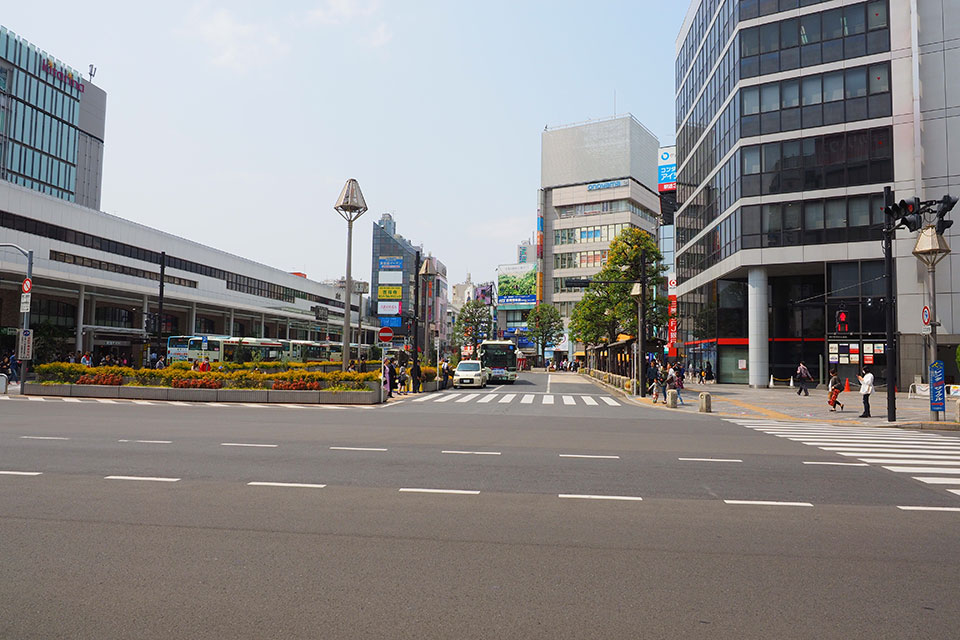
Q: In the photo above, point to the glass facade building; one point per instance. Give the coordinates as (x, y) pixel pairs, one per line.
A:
(51, 124)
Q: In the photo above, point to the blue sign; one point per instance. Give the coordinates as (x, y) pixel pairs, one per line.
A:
(938, 397)
(203, 343)
(387, 264)
(666, 173)
(606, 185)
(531, 299)
(388, 321)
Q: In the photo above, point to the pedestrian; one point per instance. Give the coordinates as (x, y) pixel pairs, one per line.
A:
(708, 373)
(205, 365)
(386, 378)
(803, 375)
(672, 381)
(160, 363)
(701, 375)
(392, 369)
(445, 368)
(14, 369)
(86, 360)
(415, 375)
(402, 380)
(835, 387)
(866, 388)
(352, 368)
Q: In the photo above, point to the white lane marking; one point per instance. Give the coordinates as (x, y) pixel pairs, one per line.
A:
(147, 402)
(447, 397)
(922, 470)
(177, 403)
(474, 453)
(487, 398)
(4, 397)
(143, 478)
(292, 406)
(956, 491)
(592, 497)
(933, 480)
(356, 449)
(918, 455)
(547, 399)
(911, 461)
(44, 438)
(588, 400)
(908, 508)
(507, 397)
(710, 459)
(468, 397)
(298, 485)
(247, 444)
(770, 503)
(217, 405)
(582, 455)
(569, 400)
(527, 399)
(36, 398)
(252, 405)
(896, 453)
(610, 401)
(21, 473)
(149, 441)
(106, 401)
(837, 446)
(72, 400)
(840, 464)
(422, 399)
(549, 380)
(453, 491)
(878, 441)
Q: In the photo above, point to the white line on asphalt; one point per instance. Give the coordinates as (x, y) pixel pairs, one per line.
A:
(956, 491)
(144, 478)
(468, 397)
(590, 497)
(527, 399)
(36, 398)
(928, 508)
(253, 405)
(547, 399)
(610, 401)
(422, 399)
(589, 400)
(909, 461)
(474, 453)
(356, 449)
(72, 400)
(44, 438)
(218, 405)
(447, 397)
(922, 470)
(933, 480)
(291, 406)
(771, 503)
(549, 380)
(917, 454)
(4, 397)
(142, 402)
(298, 485)
(177, 403)
(569, 400)
(841, 464)
(454, 491)
(247, 444)
(883, 446)
(21, 473)
(106, 401)
(710, 459)
(579, 455)
(487, 398)
(507, 398)
(149, 441)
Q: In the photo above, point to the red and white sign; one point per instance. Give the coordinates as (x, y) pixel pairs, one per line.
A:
(28, 285)
(388, 307)
(385, 334)
(925, 315)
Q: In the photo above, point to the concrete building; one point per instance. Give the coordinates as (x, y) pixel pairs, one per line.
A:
(597, 178)
(791, 119)
(52, 124)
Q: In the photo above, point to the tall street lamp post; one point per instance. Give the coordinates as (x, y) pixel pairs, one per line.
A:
(930, 249)
(25, 314)
(350, 205)
(429, 270)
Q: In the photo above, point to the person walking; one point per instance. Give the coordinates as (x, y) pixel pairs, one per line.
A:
(415, 375)
(392, 369)
(708, 372)
(803, 376)
(866, 388)
(445, 368)
(835, 387)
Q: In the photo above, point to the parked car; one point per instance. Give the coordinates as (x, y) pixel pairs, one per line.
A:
(470, 373)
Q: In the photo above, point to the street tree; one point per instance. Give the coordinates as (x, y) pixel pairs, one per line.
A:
(544, 326)
(473, 323)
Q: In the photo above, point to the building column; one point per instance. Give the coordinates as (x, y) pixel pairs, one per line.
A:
(288, 328)
(80, 299)
(193, 320)
(263, 324)
(93, 321)
(758, 329)
(229, 330)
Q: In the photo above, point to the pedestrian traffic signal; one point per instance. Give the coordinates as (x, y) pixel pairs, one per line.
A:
(843, 323)
(943, 208)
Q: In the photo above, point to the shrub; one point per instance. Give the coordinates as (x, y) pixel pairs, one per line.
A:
(347, 386)
(428, 373)
(196, 383)
(107, 379)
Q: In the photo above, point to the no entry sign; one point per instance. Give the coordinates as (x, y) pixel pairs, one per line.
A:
(385, 334)
(27, 285)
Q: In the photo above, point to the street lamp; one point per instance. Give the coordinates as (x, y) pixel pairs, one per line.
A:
(638, 292)
(350, 205)
(930, 249)
(428, 269)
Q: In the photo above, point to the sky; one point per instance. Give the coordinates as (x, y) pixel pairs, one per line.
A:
(236, 124)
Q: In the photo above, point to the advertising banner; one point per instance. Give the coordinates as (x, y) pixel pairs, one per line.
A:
(391, 263)
(389, 292)
(667, 169)
(390, 277)
(938, 399)
(517, 284)
(388, 308)
(393, 322)
(484, 293)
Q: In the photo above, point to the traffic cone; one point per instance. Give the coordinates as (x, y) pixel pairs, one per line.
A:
(791, 382)
(771, 382)
(846, 387)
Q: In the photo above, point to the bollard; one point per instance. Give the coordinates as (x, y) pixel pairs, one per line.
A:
(791, 382)
(769, 385)
(957, 416)
(705, 403)
(672, 398)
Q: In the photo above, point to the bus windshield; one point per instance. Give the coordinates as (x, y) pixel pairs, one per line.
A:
(499, 356)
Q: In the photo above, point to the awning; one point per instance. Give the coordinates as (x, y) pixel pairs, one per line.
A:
(579, 354)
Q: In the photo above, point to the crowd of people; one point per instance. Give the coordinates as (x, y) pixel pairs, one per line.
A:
(663, 377)
(565, 365)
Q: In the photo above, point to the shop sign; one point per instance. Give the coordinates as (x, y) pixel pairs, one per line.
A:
(65, 76)
(391, 263)
(610, 184)
(389, 292)
(938, 400)
(390, 277)
(388, 308)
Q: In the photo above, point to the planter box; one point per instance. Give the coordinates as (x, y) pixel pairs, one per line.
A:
(144, 393)
(242, 395)
(429, 386)
(94, 391)
(61, 390)
(295, 397)
(192, 395)
(372, 385)
(349, 397)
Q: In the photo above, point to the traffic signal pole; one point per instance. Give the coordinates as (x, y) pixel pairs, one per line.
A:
(642, 328)
(889, 308)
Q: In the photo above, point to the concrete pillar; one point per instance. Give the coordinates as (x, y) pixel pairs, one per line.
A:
(288, 328)
(92, 314)
(193, 320)
(80, 299)
(758, 329)
(229, 330)
(263, 324)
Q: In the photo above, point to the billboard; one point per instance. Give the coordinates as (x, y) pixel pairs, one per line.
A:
(484, 293)
(667, 169)
(390, 277)
(388, 307)
(389, 292)
(391, 263)
(517, 284)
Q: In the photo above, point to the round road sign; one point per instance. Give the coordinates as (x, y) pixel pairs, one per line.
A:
(386, 334)
(925, 315)
(27, 285)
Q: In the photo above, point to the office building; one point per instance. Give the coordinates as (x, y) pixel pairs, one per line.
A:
(51, 124)
(792, 117)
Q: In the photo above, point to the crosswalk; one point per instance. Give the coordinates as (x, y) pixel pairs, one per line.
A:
(521, 398)
(930, 458)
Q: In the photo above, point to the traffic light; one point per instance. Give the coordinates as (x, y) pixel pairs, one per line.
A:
(843, 322)
(943, 208)
(910, 216)
(570, 283)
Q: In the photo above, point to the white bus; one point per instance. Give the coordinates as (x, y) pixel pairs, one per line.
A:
(177, 348)
(500, 356)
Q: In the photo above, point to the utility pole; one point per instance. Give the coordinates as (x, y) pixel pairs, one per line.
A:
(889, 230)
(163, 273)
(416, 308)
(642, 326)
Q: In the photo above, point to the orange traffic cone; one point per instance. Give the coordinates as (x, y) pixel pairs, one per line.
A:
(846, 387)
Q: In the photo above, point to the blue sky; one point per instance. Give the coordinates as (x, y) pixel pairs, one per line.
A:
(236, 123)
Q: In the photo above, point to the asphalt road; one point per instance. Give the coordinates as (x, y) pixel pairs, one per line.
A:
(452, 518)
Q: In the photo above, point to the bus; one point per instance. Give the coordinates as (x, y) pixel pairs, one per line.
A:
(223, 348)
(177, 348)
(500, 356)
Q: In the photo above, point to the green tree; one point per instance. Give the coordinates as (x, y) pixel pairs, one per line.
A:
(608, 309)
(544, 326)
(473, 323)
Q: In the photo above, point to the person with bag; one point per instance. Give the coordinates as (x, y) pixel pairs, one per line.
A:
(803, 376)
(866, 388)
(835, 387)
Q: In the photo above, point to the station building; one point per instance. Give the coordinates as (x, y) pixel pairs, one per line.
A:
(792, 116)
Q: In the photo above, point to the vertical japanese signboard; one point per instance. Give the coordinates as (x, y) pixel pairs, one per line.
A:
(938, 397)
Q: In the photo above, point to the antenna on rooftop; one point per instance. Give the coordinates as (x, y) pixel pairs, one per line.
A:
(93, 71)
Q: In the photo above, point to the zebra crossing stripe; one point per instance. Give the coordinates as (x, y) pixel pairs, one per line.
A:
(487, 398)
(589, 401)
(468, 397)
(610, 401)
(527, 399)
(447, 398)
(548, 399)
(507, 398)
(569, 400)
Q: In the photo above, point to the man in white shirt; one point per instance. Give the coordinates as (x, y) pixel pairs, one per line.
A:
(866, 388)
